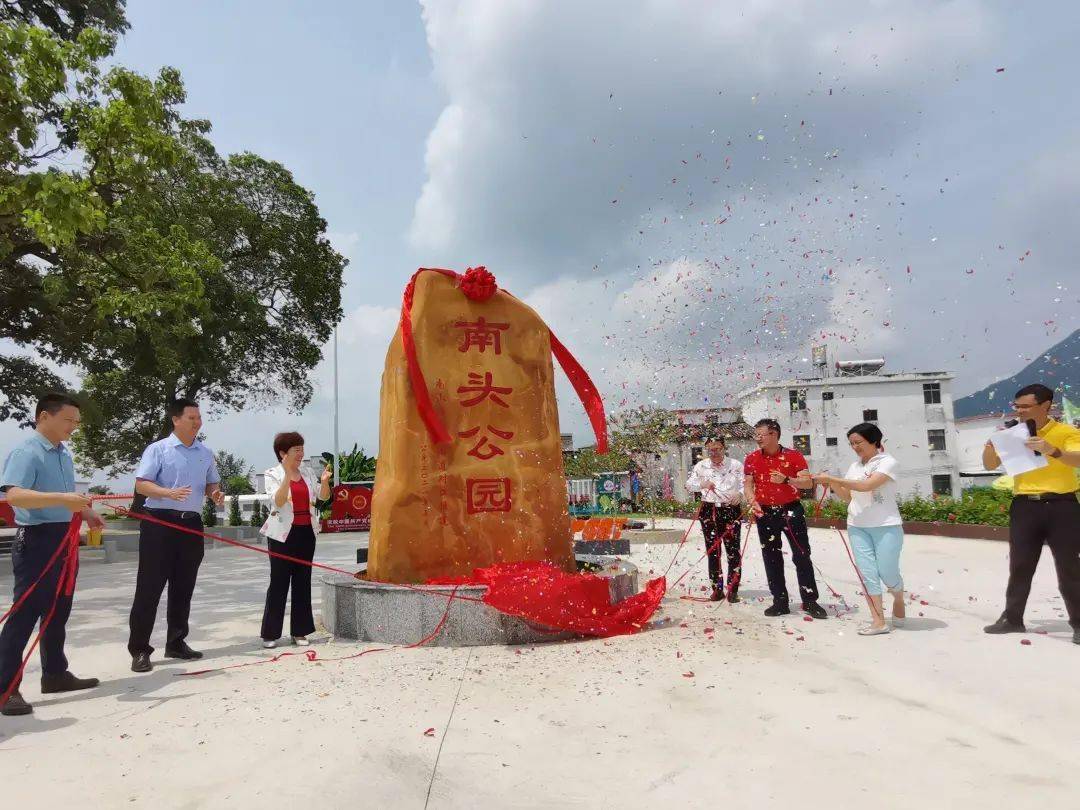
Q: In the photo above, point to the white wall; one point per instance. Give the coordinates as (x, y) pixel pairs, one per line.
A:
(971, 437)
(902, 416)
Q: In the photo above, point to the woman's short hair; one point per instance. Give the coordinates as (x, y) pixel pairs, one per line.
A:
(284, 442)
(872, 433)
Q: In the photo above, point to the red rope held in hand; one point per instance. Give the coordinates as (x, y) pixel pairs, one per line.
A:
(65, 584)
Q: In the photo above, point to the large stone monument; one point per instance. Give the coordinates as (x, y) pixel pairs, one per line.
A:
(469, 471)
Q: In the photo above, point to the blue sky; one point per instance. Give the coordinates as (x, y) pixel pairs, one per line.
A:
(691, 193)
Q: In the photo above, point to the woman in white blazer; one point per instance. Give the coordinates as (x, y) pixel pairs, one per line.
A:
(291, 529)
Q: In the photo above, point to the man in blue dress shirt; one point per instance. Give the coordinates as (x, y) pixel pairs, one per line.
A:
(39, 481)
(175, 474)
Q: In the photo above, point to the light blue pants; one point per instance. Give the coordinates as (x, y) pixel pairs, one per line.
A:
(877, 553)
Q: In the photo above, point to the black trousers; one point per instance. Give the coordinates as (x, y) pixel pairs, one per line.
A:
(790, 520)
(166, 557)
(720, 522)
(284, 574)
(34, 545)
(1032, 523)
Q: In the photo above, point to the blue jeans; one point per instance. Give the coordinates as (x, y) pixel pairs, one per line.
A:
(877, 553)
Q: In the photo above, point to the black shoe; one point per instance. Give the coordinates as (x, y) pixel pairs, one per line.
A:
(815, 610)
(778, 609)
(717, 594)
(1003, 625)
(140, 662)
(182, 651)
(16, 706)
(733, 597)
(65, 682)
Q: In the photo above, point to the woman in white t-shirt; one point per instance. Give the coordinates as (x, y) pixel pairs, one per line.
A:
(873, 520)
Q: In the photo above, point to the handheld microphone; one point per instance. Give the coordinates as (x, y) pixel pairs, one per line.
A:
(1032, 432)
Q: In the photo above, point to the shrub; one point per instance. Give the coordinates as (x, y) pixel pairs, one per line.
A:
(257, 518)
(984, 506)
(235, 518)
(209, 513)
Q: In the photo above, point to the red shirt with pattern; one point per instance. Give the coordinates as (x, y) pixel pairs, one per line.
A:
(301, 503)
(786, 461)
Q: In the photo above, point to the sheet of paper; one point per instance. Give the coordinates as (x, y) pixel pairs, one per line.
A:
(1015, 458)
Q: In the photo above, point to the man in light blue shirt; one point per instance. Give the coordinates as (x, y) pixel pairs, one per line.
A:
(175, 474)
(39, 482)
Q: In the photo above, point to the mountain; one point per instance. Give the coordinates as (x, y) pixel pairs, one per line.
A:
(1057, 367)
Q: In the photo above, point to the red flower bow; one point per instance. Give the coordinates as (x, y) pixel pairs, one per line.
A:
(478, 284)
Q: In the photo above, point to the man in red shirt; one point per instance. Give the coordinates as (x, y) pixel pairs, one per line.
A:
(772, 474)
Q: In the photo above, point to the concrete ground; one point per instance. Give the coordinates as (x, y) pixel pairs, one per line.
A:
(716, 706)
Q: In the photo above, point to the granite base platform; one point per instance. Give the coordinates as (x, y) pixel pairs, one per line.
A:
(391, 614)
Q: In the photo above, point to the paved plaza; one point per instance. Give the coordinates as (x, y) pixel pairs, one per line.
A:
(718, 706)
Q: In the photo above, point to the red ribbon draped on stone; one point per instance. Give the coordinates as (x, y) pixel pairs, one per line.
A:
(581, 603)
(478, 284)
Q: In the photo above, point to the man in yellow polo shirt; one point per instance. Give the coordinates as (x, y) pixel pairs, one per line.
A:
(1044, 509)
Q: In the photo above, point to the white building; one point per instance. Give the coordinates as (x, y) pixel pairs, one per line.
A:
(972, 433)
(667, 470)
(914, 411)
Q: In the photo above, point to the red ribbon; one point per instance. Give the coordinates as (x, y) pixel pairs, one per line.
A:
(478, 284)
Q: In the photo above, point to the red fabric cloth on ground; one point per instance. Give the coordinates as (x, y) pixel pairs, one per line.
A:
(546, 595)
(301, 503)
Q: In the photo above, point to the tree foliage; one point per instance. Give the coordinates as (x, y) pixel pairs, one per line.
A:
(585, 463)
(130, 249)
(67, 18)
(235, 518)
(643, 430)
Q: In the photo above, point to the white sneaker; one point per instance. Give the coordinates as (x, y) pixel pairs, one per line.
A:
(300, 641)
(269, 645)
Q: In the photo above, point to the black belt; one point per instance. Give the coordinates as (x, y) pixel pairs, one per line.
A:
(1050, 496)
(780, 507)
(175, 514)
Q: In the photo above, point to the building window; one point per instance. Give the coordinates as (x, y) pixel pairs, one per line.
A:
(826, 396)
(802, 444)
(936, 439)
(869, 415)
(931, 393)
(797, 398)
(941, 484)
(830, 441)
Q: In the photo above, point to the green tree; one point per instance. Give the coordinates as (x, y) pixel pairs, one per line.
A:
(235, 474)
(99, 489)
(67, 18)
(258, 517)
(585, 463)
(237, 485)
(234, 512)
(131, 250)
(209, 513)
(229, 464)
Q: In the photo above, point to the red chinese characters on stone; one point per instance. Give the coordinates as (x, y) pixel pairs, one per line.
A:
(485, 448)
(487, 495)
(481, 334)
(483, 390)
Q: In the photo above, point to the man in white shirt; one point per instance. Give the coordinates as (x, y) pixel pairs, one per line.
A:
(719, 479)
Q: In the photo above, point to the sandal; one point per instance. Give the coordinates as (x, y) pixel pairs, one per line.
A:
(870, 630)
